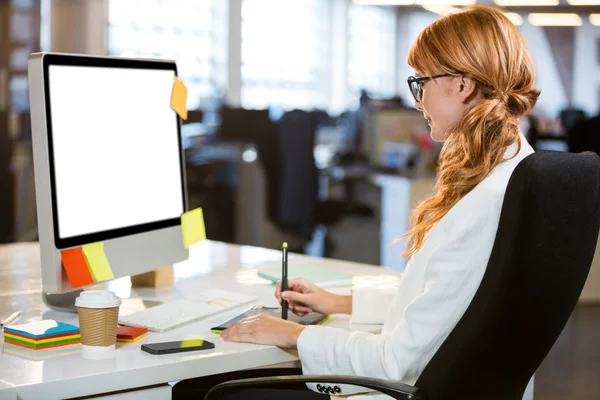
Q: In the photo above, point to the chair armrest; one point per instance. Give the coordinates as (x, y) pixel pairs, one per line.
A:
(396, 390)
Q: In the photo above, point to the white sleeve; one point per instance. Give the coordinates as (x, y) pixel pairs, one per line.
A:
(400, 353)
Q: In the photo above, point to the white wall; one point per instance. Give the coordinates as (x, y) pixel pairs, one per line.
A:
(409, 27)
(586, 72)
(553, 97)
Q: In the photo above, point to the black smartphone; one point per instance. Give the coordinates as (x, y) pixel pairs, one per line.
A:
(177, 347)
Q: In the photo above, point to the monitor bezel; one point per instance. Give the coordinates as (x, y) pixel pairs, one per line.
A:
(88, 61)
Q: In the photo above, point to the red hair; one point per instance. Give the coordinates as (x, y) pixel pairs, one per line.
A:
(484, 45)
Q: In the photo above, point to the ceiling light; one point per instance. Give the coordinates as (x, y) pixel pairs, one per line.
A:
(383, 2)
(445, 2)
(554, 19)
(584, 2)
(441, 9)
(513, 3)
(595, 19)
(410, 2)
(514, 18)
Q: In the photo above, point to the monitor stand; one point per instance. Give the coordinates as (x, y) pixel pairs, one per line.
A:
(62, 301)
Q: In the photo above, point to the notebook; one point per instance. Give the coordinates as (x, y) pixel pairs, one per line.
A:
(320, 276)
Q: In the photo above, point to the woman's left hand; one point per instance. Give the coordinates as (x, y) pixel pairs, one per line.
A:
(264, 329)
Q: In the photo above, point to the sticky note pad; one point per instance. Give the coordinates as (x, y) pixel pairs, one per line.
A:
(42, 334)
(179, 98)
(76, 268)
(130, 334)
(192, 227)
(42, 329)
(97, 262)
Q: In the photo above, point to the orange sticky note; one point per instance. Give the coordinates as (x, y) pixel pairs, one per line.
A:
(97, 262)
(192, 227)
(179, 98)
(76, 268)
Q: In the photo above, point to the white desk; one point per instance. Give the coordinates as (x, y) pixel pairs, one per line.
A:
(7, 391)
(35, 375)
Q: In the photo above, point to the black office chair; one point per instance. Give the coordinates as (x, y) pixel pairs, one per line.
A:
(539, 263)
(194, 116)
(299, 210)
(299, 191)
(584, 136)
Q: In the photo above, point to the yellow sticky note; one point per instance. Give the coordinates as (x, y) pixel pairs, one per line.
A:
(179, 98)
(97, 262)
(192, 227)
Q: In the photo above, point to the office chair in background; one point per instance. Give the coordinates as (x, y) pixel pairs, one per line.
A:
(584, 136)
(299, 209)
(213, 186)
(194, 116)
(540, 260)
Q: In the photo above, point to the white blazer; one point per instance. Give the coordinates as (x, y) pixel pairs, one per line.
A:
(436, 288)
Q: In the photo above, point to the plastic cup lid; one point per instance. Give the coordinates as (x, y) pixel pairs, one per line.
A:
(97, 299)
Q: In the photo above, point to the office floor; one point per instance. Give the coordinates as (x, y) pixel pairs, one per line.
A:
(572, 368)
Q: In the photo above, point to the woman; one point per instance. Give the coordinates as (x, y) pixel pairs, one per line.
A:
(474, 79)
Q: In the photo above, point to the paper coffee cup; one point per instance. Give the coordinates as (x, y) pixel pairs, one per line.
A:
(98, 318)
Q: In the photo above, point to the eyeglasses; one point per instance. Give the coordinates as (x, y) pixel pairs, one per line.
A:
(416, 85)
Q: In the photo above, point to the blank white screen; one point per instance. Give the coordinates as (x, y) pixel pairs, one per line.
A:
(116, 148)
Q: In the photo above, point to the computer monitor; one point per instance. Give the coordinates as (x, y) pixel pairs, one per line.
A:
(108, 162)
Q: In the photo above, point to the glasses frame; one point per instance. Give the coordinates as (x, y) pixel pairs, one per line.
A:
(418, 94)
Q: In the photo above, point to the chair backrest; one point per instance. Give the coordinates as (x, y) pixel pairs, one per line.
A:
(240, 124)
(299, 183)
(194, 116)
(583, 136)
(540, 260)
(256, 127)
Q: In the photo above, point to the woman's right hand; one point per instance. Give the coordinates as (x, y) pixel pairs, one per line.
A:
(304, 297)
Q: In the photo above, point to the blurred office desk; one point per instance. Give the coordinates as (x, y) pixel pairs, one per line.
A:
(400, 194)
(64, 373)
(247, 180)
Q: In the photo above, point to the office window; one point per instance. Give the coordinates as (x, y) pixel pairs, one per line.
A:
(285, 50)
(371, 51)
(45, 25)
(192, 32)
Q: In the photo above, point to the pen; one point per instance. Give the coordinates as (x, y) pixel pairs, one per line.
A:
(284, 278)
(10, 319)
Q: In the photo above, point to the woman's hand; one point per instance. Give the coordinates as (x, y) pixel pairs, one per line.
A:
(304, 297)
(264, 329)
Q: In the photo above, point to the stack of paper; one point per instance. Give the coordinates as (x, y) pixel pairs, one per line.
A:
(44, 334)
(130, 334)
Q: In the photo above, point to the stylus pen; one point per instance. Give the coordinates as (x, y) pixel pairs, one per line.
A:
(10, 319)
(284, 278)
